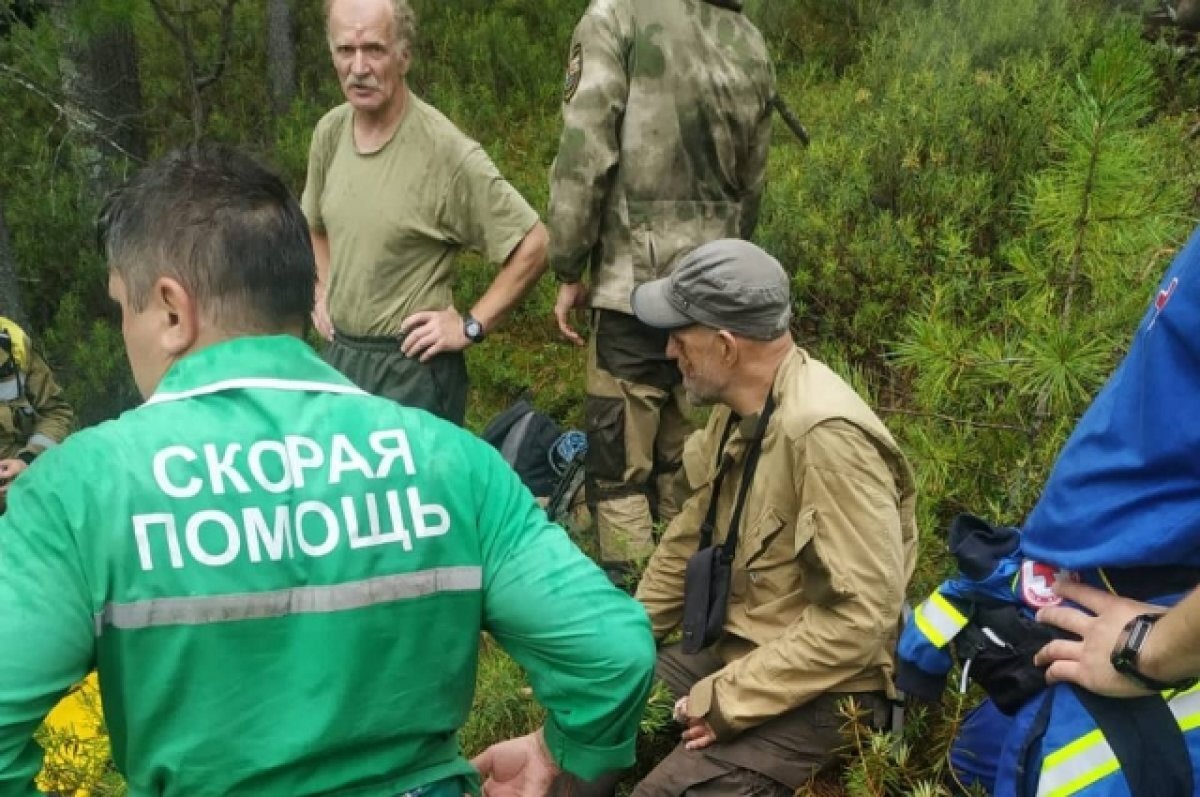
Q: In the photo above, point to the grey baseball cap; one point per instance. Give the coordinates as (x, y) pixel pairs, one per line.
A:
(726, 284)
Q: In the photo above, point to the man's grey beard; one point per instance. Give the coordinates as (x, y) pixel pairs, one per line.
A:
(699, 400)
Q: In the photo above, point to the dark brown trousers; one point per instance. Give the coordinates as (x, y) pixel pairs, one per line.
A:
(770, 760)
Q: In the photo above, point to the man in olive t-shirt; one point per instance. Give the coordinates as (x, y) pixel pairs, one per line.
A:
(394, 192)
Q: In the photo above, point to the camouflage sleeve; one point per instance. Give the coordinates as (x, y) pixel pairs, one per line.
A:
(754, 174)
(593, 104)
(54, 416)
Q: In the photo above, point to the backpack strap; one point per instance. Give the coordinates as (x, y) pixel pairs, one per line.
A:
(1146, 740)
(515, 439)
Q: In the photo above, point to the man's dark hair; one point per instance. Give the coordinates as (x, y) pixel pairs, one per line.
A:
(224, 227)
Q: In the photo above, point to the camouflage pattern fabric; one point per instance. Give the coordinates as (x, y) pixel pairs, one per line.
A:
(664, 146)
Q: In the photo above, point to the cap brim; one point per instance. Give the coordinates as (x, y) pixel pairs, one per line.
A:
(653, 308)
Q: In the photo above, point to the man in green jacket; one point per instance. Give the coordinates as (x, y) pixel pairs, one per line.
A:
(281, 579)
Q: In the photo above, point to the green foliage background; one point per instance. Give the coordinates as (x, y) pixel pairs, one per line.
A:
(991, 195)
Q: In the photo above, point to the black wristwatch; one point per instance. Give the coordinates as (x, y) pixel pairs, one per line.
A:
(1129, 646)
(473, 329)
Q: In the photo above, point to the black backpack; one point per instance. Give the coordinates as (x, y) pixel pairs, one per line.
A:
(525, 438)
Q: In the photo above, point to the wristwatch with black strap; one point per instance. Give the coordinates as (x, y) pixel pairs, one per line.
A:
(1129, 646)
(473, 329)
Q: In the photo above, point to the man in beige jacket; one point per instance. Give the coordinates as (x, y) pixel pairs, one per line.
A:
(825, 528)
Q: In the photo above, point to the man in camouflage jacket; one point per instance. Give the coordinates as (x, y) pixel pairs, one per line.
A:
(664, 147)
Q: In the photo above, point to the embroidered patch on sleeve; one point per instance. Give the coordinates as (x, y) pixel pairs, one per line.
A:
(1038, 580)
(574, 72)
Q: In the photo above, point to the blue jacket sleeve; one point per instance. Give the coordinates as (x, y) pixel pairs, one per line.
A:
(923, 655)
(585, 645)
(45, 620)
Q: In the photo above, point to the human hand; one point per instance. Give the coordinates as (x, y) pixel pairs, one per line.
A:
(431, 332)
(571, 296)
(321, 319)
(1088, 661)
(520, 767)
(698, 734)
(679, 713)
(10, 469)
(320, 316)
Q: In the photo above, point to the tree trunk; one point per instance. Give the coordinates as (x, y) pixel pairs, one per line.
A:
(103, 94)
(10, 286)
(281, 55)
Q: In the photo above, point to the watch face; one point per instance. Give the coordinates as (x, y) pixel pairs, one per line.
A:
(474, 329)
(1137, 635)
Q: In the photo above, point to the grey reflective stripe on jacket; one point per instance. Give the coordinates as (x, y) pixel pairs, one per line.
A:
(298, 600)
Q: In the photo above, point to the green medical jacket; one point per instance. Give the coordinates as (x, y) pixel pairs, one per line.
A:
(282, 582)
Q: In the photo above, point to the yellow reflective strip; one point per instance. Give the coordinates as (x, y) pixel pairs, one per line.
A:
(1077, 765)
(1186, 708)
(928, 630)
(1078, 746)
(1086, 779)
(949, 608)
(938, 620)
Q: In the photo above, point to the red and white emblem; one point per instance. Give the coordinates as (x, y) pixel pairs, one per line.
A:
(1160, 301)
(1037, 583)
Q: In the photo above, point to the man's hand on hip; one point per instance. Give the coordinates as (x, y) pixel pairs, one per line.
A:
(432, 332)
(320, 316)
(571, 296)
(520, 767)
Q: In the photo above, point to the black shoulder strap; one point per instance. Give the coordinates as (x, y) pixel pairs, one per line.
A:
(710, 517)
(731, 539)
(1145, 737)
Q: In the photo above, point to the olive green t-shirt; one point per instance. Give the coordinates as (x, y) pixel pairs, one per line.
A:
(396, 218)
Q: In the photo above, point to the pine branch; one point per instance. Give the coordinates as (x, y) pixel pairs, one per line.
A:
(1082, 221)
(68, 113)
(951, 419)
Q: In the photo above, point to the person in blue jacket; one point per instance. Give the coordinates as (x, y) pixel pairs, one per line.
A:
(1117, 529)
